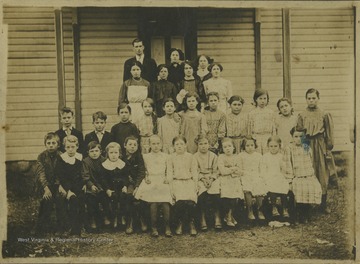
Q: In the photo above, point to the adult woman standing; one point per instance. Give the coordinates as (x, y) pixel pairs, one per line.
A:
(176, 72)
(220, 85)
(134, 90)
(202, 64)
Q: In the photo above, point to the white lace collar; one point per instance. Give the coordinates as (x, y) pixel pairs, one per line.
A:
(110, 165)
(71, 160)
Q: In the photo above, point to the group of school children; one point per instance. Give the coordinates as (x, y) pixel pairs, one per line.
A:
(181, 155)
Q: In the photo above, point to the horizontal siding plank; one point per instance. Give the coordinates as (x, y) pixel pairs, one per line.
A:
(32, 84)
(37, 69)
(32, 105)
(28, 98)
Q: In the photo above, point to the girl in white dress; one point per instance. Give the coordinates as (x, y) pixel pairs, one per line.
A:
(134, 91)
(230, 182)
(155, 188)
(285, 121)
(220, 85)
(253, 183)
(272, 170)
(182, 171)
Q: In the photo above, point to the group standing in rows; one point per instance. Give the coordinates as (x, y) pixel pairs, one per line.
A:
(184, 145)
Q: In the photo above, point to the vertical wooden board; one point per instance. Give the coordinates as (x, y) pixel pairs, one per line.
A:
(112, 35)
(26, 73)
(272, 56)
(325, 63)
(236, 28)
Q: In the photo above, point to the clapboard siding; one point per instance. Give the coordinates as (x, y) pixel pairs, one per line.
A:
(322, 46)
(105, 43)
(228, 37)
(272, 54)
(32, 96)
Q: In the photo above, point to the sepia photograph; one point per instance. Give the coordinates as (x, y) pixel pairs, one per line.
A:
(179, 131)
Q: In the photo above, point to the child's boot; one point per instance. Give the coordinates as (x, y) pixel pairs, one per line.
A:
(129, 226)
(203, 221)
(92, 223)
(106, 221)
(285, 213)
(154, 232)
(143, 225)
(193, 231)
(261, 215)
(168, 231)
(323, 205)
(178, 230)
(218, 224)
(115, 222)
(275, 211)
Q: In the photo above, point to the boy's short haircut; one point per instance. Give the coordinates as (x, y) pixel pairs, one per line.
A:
(66, 109)
(99, 115)
(93, 144)
(112, 145)
(137, 40)
(122, 106)
(70, 139)
(51, 135)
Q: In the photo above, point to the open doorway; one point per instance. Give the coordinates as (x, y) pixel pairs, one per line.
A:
(166, 28)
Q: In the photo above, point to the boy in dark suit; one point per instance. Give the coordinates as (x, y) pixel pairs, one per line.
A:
(67, 117)
(99, 134)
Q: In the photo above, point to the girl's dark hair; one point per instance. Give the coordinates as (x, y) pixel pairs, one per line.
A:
(150, 101)
(93, 144)
(215, 64)
(122, 106)
(160, 67)
(187, 62)
(236, 98)
(188, 95)
(178, 138)
(246, 139)
(136, 63)
(312, 90)
(207, 58)
(258, 93)
(213, 94)
(284, 99)
(181, 54)
(226, 139)
(200, 137)
(168, 100)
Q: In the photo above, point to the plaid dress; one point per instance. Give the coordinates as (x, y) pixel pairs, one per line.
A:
(299, 167)
(236, 128)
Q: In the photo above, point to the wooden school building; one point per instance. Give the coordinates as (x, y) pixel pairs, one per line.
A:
(74, 56)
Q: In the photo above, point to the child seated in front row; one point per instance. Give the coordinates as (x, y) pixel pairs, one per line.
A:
(137, 210)
(155, 188)
(272, 170)
(91, 174)
(114, 181)
(300, 171)
(230, 181)
(45, 175)
(71, 187)
(253, 183)
(183, 173)
(208, 184)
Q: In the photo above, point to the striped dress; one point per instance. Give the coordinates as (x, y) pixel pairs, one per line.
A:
(236, 128)
(299, 167)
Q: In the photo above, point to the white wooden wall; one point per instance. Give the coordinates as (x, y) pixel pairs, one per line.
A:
(32, 98)
(322, 46)
(227, 36)
(272, 54)
(105, 43)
